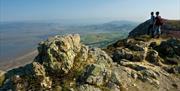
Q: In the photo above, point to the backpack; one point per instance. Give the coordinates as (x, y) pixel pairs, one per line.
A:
(159, 21)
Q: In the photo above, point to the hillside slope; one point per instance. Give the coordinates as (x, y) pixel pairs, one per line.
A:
(170, 28)
(132, 64)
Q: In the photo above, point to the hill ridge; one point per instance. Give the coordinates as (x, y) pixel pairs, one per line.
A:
(170, 28)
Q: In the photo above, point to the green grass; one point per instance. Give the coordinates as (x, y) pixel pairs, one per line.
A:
(102, 39)
(174, 23)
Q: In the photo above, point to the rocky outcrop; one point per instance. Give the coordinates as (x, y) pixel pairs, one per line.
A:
(65, 64)
(58, 53)
(146, 60)
(170, 51)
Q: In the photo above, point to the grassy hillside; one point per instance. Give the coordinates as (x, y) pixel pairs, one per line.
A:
(102, 39)
(172, 25)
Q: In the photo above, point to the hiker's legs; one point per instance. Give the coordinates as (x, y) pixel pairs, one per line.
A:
(155, 31)
(159, 31)
(148, 32)
(149, 29)
(152, 31)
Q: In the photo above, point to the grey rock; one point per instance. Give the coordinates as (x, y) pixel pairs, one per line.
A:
(100, 57)
(122, 54)
(152, 57)
(58, 53)
(95, 74)
(87, 87)
(169, 50)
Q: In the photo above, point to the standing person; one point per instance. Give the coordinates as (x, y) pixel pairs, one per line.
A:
(158, 23)
(150, 28)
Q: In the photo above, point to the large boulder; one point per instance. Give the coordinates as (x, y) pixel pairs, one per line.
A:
(57, 54)
(99, 57)
(129, 49)
(153, 57)
(122, 54)
(170, 51)
(32, 76)
(95, 74)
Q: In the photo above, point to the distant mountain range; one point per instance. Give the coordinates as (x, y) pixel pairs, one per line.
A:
(122, 22)
(125, 26)
(22, 36)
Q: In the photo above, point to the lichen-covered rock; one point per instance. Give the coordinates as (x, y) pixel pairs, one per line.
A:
(139, 56)
(153, 44)
(87, 87)
(135, 56)
(122, 54)
(166, 49)
(100, 57)
(32, 78)
(83, 54)
(38, 70)
(114, 82)
(95, 74)
(169, 50)
(40, 75)
(18, 83)
(136, 46)
(152, 57)
(170, 47)
(57, 54)
(133, 65)
(46, 83)
(173, 69)
(130, 49)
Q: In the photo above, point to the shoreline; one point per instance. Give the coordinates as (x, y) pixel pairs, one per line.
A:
(18, 61)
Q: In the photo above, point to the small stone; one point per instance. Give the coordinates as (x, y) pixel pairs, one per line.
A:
(152, 57)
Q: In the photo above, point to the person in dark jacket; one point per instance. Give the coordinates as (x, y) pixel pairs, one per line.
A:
(151, 25)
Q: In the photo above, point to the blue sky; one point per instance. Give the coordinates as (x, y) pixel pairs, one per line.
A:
(87, 10)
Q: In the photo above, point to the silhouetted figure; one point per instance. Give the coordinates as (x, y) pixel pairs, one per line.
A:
(150, 28)
(157, 25)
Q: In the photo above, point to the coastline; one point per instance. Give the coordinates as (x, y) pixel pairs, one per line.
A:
(19, 61)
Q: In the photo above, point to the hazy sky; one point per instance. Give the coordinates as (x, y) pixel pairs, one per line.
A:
(135, 10)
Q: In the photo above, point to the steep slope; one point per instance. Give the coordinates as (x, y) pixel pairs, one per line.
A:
(132, 64)
(170, 28)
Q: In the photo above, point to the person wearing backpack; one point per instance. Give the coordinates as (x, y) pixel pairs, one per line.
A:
(150, 28)
(157, 24)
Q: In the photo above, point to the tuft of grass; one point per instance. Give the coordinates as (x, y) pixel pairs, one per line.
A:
(143, 38)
